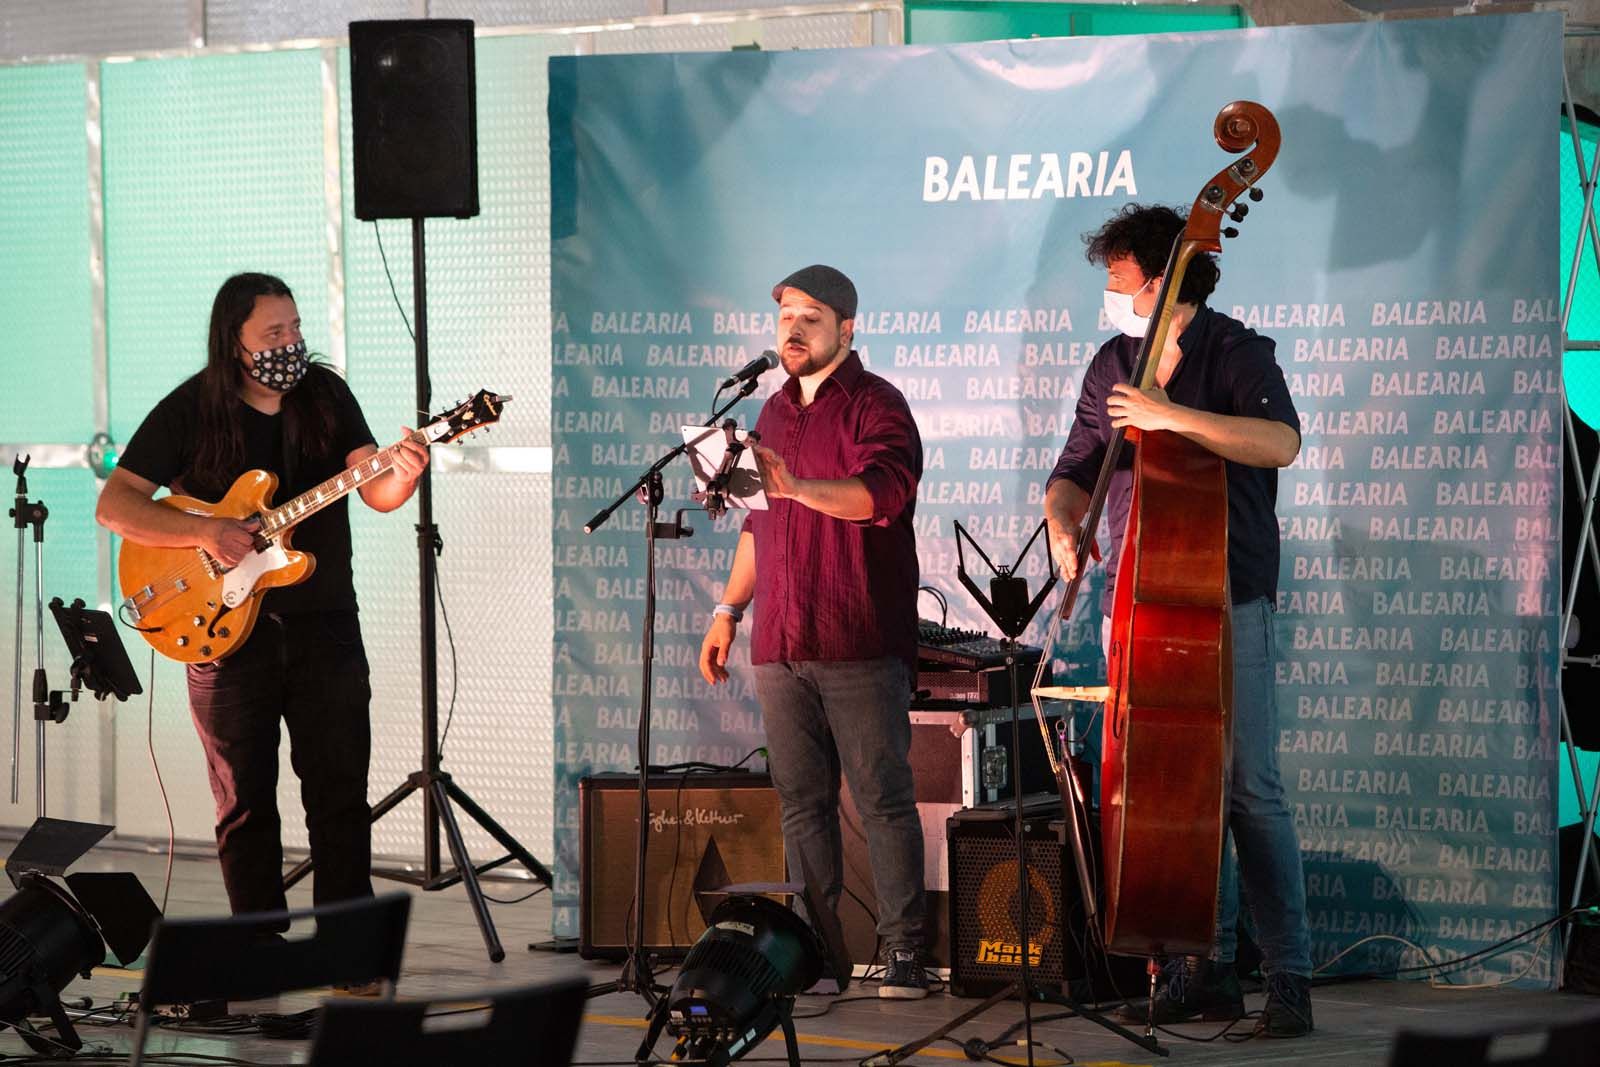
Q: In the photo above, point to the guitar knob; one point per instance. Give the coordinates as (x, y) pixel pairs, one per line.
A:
(222, 631)
(1255, 194)
(205, 650)
(183, 642)
(1229, 231)
(199, 620)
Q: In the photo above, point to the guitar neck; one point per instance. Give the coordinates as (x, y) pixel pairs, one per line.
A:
(334, 489)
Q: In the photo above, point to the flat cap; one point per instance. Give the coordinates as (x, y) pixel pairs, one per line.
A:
(823, 284)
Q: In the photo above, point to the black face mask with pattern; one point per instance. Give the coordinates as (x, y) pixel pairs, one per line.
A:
(279, 368)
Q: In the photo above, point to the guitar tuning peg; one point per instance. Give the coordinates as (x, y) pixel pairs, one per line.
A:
(1255, 194)
(1229, 231)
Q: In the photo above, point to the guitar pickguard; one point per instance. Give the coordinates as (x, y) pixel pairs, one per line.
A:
(239, 582)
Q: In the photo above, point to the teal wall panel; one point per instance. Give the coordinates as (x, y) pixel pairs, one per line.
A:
(45, 347)
(213, 165)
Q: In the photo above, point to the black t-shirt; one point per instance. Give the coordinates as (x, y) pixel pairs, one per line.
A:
(163, 451)
(1226, 369)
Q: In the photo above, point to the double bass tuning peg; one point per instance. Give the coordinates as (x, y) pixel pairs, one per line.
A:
(1239, 212)
(1255, 194)
(1230, 231)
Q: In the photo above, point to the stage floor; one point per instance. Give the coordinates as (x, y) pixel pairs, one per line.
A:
(445, 957)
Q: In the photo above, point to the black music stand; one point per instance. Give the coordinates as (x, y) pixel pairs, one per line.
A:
(1010, 609)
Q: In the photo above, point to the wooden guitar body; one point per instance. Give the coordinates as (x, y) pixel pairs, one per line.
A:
(187, 604)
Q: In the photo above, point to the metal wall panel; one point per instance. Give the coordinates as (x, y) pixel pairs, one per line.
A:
(815, 31)
(93, 27)
(234, 22)
(713, 37)
(535, 12)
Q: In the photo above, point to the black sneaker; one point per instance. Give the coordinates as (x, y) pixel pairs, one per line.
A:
(1288, 1010)
(905, 978)
(1190, 986)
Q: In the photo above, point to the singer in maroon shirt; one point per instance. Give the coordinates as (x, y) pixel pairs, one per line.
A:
(832, 568)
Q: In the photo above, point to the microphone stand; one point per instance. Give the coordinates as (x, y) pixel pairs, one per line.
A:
(637, 974)
(25, 513)
(1010, 609)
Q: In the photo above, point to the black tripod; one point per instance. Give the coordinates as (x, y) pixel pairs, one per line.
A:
(437, 787)
(637, 975)
(1008, 606)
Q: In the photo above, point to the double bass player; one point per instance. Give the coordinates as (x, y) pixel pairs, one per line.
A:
(1218, 385)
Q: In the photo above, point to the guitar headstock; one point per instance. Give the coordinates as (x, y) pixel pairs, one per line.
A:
(1239, 125)
(478, 412)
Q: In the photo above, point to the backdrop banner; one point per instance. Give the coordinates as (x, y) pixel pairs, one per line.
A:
(1404, 259)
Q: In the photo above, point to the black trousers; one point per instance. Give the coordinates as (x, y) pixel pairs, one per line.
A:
(310, 670)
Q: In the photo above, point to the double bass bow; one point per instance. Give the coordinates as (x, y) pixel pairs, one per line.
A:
(1166, 753)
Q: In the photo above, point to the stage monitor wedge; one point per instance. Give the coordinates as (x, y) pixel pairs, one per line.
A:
(413, 119)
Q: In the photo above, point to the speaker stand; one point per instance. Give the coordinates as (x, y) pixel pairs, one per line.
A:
(438, 788)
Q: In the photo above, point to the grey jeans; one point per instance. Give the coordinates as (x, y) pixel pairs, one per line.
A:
(826, 716)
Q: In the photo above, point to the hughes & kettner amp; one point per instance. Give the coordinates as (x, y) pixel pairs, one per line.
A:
(706, 831)
(985, 925)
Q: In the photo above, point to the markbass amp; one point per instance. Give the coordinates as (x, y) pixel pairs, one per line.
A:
(705, 831)
(985, 916)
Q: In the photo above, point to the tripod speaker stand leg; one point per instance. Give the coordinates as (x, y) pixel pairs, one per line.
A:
(496, 831)
(469, 875)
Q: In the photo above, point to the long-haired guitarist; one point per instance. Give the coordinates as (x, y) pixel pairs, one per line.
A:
(262, 404)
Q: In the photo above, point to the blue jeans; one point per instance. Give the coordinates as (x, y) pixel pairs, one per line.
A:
(1259, 822)
(1261, 846)
(822, 717)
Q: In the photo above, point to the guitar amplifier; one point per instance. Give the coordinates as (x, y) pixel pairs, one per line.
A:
(984, 923)
(706, 831)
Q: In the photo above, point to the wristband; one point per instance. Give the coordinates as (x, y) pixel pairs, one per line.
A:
(736, 614)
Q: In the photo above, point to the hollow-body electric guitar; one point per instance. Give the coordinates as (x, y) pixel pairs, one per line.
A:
(193, 608)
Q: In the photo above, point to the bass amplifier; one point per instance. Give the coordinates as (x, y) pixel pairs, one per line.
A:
(705, 831)
(985, 914)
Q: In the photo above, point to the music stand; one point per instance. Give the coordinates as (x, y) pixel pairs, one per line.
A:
(1008, 606)
(724, 467)
(99, 659)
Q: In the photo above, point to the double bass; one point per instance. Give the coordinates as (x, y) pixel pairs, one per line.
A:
(1166, 750)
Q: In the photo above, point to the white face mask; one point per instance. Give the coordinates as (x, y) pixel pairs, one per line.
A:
(1120, 313)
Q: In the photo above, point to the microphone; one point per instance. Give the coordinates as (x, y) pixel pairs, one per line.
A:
(762, 363)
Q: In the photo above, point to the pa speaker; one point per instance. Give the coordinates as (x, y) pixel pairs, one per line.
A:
(414, 121)
(706, 831)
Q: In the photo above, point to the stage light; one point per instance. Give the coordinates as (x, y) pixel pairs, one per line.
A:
(50, 932)
(739, 980)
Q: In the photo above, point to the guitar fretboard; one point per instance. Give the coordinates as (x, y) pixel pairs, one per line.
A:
(320, 496)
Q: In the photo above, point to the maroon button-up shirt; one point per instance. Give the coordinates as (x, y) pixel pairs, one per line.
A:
(826, 588)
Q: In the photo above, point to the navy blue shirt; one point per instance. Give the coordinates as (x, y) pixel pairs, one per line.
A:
(1226, 369)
